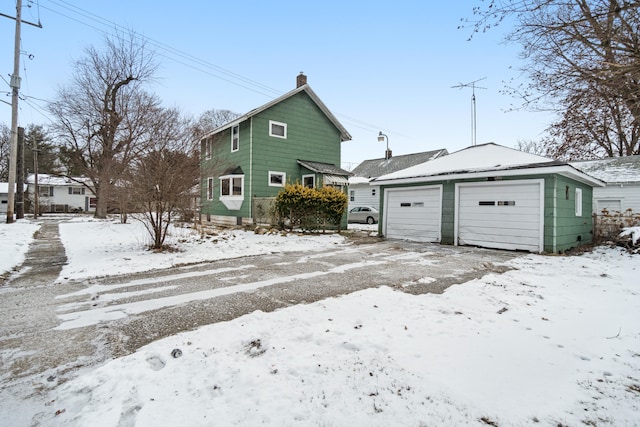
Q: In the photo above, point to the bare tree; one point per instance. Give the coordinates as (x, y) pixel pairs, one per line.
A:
(593, 126)
(100, 116)
(531, 146)
(210, 120)
(161, 181)
(579, 55)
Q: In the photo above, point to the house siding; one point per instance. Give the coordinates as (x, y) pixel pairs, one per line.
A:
(222, 158)
(561, 226)
(628, 194)
(363, 195)
(310, 135)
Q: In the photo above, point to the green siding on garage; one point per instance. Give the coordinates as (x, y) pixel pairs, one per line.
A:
(563, 230)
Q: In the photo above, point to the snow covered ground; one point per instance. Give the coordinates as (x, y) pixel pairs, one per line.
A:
(14, 242)
(555, 341)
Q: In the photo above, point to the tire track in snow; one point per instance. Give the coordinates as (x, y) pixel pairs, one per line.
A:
(115, 312)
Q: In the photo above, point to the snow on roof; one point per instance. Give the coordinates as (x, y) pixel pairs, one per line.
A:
(4, 187)
(483, 157)
(358, 180)
(612, 170)
(46, 179)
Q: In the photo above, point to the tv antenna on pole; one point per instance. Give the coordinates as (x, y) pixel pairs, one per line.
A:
(473, 87)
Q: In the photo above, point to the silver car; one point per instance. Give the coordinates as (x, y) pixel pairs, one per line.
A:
(363, 214)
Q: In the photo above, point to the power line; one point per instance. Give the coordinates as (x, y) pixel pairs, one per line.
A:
(108, 27)
(231, 77)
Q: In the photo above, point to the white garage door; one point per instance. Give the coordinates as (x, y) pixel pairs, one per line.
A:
(503, 215)
(413, 213)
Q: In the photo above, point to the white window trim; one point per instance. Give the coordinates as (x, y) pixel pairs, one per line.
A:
(284, 178)
(233, 202)
(230, 178)
(238, 147)
(578, 201)
(311, 175)
(284, 125)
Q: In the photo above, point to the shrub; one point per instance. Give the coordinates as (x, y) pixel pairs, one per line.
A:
(310, 208)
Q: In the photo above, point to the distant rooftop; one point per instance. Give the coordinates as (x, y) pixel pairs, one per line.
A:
(613, 169)
(377, 167)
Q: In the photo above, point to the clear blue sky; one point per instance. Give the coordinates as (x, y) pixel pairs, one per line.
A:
(378, 65)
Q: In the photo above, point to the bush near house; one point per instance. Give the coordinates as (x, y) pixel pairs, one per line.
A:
(310, 208)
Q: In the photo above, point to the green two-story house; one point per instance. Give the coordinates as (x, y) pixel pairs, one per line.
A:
(246, 162)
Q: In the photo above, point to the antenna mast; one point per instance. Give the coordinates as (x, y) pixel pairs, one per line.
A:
(473, 87)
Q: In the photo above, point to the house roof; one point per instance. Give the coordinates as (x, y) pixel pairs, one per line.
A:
(344, 135)
(323, 168)
(374, 168)
(46, 179)
(484, 161)
(615, 170)
(4, 187)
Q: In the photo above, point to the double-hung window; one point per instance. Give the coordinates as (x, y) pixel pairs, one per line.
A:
(235, 138)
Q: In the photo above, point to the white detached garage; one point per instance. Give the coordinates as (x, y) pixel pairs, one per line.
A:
(490, 196)
(503, 215)
(414, 213)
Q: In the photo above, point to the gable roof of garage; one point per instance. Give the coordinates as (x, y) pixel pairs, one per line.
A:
(485, 160)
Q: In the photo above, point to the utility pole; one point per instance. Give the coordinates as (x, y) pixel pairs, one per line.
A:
(36, 190)
(473, 87)
(15, 90)
(20, 175)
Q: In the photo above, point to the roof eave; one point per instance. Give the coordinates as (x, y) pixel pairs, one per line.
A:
(564, 170)
(344, 135)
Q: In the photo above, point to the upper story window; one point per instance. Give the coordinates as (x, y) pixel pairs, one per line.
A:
(278, 129)
(277, 179)
(207, 148)
(235, 138)
(45, 191)
(76, 190)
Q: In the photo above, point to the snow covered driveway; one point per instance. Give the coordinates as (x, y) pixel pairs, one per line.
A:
(53, 331)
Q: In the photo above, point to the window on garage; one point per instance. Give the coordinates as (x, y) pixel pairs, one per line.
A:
(578, 201)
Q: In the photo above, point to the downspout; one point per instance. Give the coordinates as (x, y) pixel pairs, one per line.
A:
(555, 214)
(251, 167)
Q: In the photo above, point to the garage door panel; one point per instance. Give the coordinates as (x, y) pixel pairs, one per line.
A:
(499, 233)
(413, 214)
(500, 215)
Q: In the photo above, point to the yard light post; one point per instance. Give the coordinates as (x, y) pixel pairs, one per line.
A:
(381, 138)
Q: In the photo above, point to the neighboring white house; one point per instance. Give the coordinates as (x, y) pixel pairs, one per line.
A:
(622, 178)
(361, 193)
(62, 194)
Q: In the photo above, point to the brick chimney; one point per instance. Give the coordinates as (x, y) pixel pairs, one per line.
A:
(301, 80)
